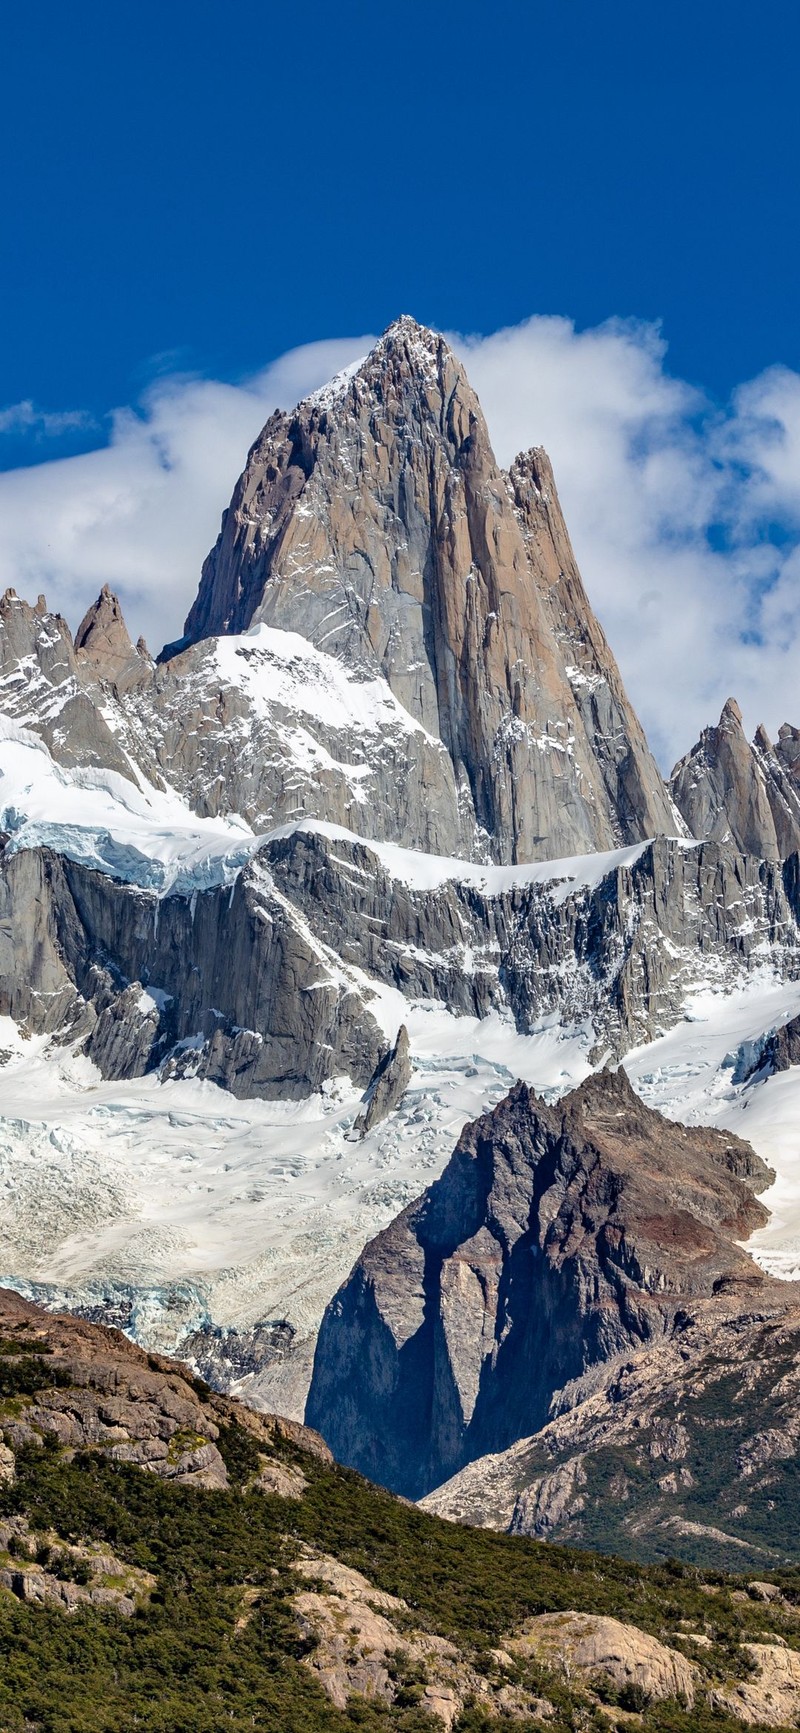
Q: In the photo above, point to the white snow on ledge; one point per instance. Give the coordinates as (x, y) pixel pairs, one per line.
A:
(277, 668)
(153, 840)
(429, 872)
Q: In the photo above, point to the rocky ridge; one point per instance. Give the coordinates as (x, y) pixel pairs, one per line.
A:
(748, 794)
(696, 1436)
(277, 983)
(557, 1238)
(84, 1386)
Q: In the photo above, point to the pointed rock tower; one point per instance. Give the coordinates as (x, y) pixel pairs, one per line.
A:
(375, 521)
(103, 645)
(730, 790)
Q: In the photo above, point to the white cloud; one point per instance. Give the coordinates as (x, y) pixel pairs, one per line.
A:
(142, 512)
(685, 517)
(25, 418)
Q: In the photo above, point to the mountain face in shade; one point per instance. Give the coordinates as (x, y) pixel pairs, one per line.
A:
(556, 1238)
(728, 790)
(375, 521)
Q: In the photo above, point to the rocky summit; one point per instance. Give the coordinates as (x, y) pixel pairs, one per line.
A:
(375, 521)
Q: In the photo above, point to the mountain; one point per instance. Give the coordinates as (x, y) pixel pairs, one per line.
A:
(747, 794)
(375, 521)
(171, 1560)
(390, 631)
(283, 909)
(558, 1238)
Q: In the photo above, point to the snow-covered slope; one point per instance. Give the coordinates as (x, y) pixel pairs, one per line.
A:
(174, 1206)
(705, 1072)
(144, 836)
(181, 1212)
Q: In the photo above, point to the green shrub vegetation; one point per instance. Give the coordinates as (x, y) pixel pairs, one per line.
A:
(189, 1661)
(759, 1512)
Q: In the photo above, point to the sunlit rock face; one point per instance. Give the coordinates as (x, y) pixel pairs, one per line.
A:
(375, 521)
(747, 794)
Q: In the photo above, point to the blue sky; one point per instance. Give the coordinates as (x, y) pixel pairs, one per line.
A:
(205, 185)
(207, 207)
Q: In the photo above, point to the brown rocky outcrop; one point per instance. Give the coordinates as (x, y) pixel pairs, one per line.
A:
(687, 1445)
(557, 1238)
(730, 791)
(100, 1392)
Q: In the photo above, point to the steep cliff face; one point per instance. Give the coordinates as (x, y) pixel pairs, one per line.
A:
(228, 985)
(277, 982)
(613, 944)
(391, 634)
(375, 521)
(731, 791)
(556, 1238)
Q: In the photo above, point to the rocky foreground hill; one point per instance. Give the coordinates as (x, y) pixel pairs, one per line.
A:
(171, 1560)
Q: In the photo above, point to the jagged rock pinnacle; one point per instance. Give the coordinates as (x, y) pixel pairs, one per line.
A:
(375, 521)
(728, 790)
(103, 641)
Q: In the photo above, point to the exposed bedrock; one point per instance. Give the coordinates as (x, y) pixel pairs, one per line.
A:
(264, 986)
(556, 1238)
(374, 520)
(388, 1086)
(621, 951)
(228, 982)
(747, 794)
